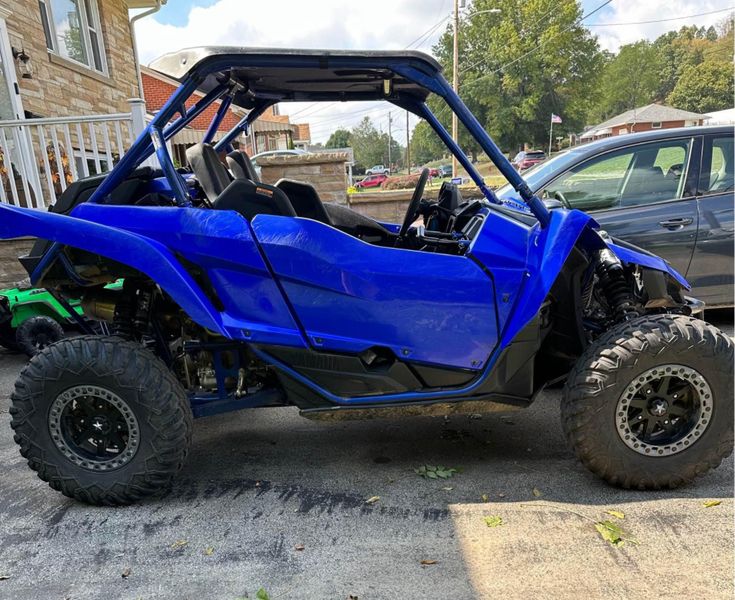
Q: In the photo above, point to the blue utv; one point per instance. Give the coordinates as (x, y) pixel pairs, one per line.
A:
(240, 294)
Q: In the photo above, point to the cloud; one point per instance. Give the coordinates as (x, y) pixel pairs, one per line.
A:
(635, 11)
(378, 24)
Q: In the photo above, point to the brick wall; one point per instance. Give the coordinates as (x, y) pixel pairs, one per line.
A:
(12, 274)
(326, 172)
(61, 88)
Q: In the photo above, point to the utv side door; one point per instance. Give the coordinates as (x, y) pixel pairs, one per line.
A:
(711, 271)
(642, 193)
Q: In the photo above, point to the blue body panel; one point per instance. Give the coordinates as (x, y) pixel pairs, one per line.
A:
(349, 295)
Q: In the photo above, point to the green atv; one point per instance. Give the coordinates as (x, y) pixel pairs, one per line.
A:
(31, 319)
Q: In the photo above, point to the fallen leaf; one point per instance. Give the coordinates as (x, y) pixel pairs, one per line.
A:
(261, 594)
(352, 597)
(501, 495)
(4, 577)
(493, 521)
(298, 547)
(448, 488)
(208, 551)
(485, 498)
(536, 492)
(435, 472)
(612, 533)
(618, 514)
(372, 500)
(428, 562)
(711, 503)
(178, 544)
(126, 573)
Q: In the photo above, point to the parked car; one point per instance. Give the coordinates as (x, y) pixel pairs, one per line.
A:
(669, 191)
(528, 158)
(378, 170)
(244, 295)
(371, 181)
(33, 318)
(445, 171)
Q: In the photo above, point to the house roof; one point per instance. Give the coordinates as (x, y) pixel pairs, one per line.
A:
(651, 113)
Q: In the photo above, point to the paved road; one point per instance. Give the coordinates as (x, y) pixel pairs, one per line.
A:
(261, 484)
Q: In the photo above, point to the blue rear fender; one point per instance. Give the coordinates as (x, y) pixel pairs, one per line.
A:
(150, 240)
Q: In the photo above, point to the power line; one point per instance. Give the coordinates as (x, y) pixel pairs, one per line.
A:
(712, 12)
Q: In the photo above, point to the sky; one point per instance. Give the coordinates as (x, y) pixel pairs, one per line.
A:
(378, 24)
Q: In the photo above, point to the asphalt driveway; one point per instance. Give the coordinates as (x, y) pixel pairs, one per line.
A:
(268, 499)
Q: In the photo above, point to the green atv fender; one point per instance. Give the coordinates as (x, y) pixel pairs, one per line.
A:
(21, 305)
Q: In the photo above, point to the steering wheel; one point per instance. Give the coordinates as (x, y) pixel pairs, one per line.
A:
(413, 206)
(560, 197)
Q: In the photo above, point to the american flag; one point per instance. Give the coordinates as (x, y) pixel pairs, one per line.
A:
(555, 118)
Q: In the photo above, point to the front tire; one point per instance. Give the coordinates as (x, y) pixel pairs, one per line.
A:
(102, 420)
(649, 405)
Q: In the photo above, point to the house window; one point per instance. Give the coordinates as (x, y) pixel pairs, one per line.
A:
(72, 29)
(656, 125)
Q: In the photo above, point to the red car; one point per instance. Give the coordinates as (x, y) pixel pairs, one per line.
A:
(528, 158)
(371, 181)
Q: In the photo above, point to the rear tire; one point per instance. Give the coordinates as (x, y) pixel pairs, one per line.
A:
(102, 420)
(34, 334)
(649, 405)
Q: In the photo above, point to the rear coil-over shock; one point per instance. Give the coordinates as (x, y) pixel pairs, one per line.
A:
(615, 286)
(131, 312)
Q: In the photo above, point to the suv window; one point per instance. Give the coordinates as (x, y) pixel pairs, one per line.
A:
(631, 176)
(718, 168)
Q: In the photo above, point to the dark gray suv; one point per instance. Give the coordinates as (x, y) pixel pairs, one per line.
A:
(669, 191)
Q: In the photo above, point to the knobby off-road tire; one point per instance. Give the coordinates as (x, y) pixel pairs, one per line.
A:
(34, 334)
(613, 391)
(91, 386)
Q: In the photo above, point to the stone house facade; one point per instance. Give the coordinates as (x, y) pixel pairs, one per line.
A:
(72, 58)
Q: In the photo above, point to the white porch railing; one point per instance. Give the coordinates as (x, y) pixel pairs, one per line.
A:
(40, 158)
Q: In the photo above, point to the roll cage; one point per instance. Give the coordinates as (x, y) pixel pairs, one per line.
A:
(256, 79)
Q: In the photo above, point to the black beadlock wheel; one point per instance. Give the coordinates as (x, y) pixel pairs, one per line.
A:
(34, 334)
(649, 405)
(102, 420)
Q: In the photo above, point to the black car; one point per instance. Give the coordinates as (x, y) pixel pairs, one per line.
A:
(669, 191)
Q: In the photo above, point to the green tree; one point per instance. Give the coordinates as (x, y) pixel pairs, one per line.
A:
(519, 66)
(340, 138)
(425, 144)
(630, 79)
(704, 88)
(371, 146)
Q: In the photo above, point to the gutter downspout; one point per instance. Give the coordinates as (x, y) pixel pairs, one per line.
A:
(133, 20)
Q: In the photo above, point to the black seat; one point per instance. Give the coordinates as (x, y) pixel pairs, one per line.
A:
(208, 169)
(251, 199)
(241, 166)
(304, 199)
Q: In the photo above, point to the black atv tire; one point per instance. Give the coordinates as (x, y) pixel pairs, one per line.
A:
(34, 334)
(617, 387)
(7, 337)
(73, 386)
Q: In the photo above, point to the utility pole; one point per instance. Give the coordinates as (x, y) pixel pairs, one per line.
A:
(390, 139)
(455, 78)
(408, 147)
